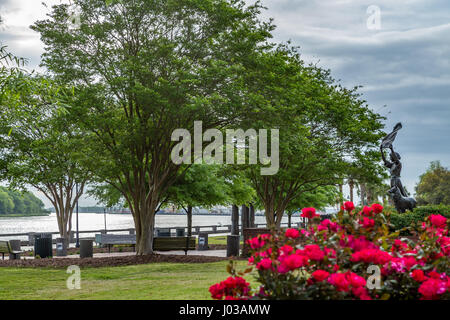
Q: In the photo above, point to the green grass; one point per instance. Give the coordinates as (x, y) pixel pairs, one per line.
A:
(218, 240)
(164, 281)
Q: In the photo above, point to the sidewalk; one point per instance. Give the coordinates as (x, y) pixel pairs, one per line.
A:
(207, 253)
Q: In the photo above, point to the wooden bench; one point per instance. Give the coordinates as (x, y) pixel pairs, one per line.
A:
(5, 247)
(174, 243)
(115, 239)
(159, 243)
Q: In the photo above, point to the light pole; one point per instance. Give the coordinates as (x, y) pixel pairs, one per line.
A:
(78, 231)
(104, 216)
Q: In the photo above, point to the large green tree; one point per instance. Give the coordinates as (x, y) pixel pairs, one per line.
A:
(14, 202)
(321, 126)
(144, 68)
(434, 185)
(40, 147)
(201, 186)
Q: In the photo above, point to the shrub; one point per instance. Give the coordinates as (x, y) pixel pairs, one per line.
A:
(352, 257)
(413, 219)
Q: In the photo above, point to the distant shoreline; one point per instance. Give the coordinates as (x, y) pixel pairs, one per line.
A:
(19, 215)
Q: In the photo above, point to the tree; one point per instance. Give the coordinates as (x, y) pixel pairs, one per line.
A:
(14, 202)
(366, 173)
(202, 185)
(318, 198)
(41, 148)
(6, 203)
(320, 123)
(143, 69)
(434, 185)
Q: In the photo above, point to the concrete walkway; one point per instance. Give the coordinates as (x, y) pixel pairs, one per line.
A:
(208, 253)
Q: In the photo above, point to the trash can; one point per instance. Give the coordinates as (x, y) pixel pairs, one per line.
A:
(86, 248)
(203, 241)
(233, 245)
(180, 232)
(43, 245)
(162, 232)
(61, 247)
(15, 246)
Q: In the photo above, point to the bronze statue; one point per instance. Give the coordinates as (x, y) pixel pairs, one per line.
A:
(397, 191)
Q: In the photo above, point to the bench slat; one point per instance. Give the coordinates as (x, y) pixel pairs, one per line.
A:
(4, 247)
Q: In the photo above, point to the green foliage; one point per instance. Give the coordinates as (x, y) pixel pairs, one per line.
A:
(321, 125)
(415, 218)
(434, 185)
(39, 145)
(23, 203)
(143, 69)
(318, 198)
(201, 185)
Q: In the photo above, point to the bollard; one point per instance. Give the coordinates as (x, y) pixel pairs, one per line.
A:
(72, 237)
(31, 238)
(233, 245)
(203, 241)
(61, 247)
(86, 248)
(15, 246)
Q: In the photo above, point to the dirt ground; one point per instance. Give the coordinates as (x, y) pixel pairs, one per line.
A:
(108, 261)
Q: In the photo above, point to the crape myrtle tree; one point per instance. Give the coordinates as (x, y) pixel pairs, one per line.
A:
(319, 198)
(201, 185)
(320, 123)
(143, 68)
(40, 147)
(365, 172)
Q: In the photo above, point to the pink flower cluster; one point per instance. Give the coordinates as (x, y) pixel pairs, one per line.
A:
(230, 288)
(330, 259)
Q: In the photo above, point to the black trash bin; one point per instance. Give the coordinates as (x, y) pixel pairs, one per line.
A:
(86, 248)
(43, 245)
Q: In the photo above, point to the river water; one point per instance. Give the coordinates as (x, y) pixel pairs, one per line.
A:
(94, 221)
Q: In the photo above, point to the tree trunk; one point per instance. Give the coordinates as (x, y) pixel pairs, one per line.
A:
(252, 216)
(363, 194)
(341, 195)
(244, 218)
(235, 220)
(145, 226)
(189, 221)
(289, 219)
(351, 186)
(269, 212)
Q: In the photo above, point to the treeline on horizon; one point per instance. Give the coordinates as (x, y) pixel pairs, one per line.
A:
(15, 202)
(94, 209)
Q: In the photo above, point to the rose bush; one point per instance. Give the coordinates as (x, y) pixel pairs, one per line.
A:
(353, 256)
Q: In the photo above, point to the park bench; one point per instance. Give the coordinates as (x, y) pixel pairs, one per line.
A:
(116, 239)
(159, 243)
(5, 247)
(174, 243)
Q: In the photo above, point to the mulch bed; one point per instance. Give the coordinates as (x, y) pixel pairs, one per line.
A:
(108, 262)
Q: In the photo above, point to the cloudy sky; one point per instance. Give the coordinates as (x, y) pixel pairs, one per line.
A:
(402, 60)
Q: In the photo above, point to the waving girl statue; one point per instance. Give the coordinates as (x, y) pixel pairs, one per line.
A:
(397, 191)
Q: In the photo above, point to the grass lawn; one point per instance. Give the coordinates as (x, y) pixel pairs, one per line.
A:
(165, 281)
(218, 240)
